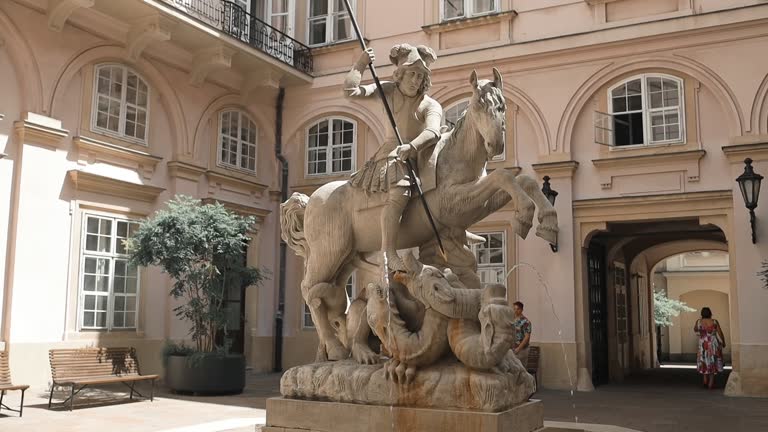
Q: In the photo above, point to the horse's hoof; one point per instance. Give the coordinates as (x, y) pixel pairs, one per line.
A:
(547, 233)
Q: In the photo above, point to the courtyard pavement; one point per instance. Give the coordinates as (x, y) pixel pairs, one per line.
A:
(666, 400)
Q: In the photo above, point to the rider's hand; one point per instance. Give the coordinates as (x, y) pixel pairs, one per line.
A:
(366, 57)
(405, 151)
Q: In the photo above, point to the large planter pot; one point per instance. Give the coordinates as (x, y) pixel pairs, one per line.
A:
(206, 374)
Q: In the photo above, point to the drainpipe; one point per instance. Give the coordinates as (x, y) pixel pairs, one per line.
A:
(284, 197)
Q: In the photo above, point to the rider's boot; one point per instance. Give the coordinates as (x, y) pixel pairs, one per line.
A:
(390, 223)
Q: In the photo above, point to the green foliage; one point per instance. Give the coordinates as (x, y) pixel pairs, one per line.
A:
(665, 308)
(201, 247)
(172, 348)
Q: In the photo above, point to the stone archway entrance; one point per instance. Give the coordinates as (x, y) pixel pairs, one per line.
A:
(621, 325)
(616, 332)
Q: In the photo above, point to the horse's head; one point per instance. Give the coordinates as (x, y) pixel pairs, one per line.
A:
(487, 111)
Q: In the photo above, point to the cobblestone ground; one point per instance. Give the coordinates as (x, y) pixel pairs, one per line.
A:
(655, 401)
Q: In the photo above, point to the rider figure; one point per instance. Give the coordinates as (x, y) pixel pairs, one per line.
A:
(418, 118)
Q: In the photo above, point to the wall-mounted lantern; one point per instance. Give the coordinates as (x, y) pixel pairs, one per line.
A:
(551, 195)
(749, 183)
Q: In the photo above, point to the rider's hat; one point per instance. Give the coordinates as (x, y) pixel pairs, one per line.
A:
(406, 55)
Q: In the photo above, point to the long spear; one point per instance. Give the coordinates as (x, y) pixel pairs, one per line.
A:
(411, 172)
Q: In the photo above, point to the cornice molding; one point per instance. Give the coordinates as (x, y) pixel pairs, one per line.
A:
(242, 209)
(737, 153)
(89, 182)
(598, 2)
(276, 195)
(218, 181)
(38, 129)
(90, 150)
(462, 23)
(185, 170)
(556, 169)
(722, 199)
(684, 161)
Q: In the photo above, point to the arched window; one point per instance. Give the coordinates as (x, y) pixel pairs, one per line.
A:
(120, 103)
(331, 146)
(237, 141)
(454, 111)
(647, 109)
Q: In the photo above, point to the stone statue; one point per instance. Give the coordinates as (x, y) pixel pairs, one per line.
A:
(439, 329)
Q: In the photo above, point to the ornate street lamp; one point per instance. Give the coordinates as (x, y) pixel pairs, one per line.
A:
(749, 183)
(551, 195)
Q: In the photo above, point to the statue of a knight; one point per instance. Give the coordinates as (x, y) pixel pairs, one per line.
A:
(418, 118)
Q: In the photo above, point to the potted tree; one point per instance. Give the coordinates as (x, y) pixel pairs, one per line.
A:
(201, 247)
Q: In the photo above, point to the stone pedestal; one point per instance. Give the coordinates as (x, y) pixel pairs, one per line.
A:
(293, 415)
(445, 385)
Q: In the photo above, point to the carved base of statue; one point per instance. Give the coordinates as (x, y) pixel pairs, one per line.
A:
(445, 385)
(291, 415)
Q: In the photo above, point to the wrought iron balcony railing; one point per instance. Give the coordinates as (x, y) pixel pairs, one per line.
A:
(241, 25)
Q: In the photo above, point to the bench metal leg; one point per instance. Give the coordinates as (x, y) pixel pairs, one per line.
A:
(152, 394)
(50, 398)
(21, 408)
(72, 398)
(133, 383)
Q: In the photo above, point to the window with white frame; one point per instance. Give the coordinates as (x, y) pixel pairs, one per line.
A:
(454, 9)
(237, 141)
(350, 288)
(109, 286)
(120, 103)
(491, 258)
(646, 109)
(331, 146)
(454, 112)
(328, 22)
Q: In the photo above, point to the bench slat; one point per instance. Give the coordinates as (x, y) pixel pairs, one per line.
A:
(69, 365)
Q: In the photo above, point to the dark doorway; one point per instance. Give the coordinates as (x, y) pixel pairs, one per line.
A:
(598, 313)
(234, 307)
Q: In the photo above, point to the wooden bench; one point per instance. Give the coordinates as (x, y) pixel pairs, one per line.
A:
(83, 367)
(7, 385)
(532, 365)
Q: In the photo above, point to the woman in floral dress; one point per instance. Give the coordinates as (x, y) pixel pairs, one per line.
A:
(709, 361)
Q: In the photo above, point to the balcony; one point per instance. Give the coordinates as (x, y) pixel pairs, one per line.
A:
(234, 21)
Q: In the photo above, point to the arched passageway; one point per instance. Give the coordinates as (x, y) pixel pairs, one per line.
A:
(626, 263)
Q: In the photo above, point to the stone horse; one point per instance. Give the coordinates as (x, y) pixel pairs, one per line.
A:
(336, 230)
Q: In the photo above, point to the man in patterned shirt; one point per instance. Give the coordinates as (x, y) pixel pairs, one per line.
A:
(522, 333)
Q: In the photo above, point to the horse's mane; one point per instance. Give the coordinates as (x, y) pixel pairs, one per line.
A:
(490, 98)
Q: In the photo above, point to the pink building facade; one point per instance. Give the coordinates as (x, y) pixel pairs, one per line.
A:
(640, 111)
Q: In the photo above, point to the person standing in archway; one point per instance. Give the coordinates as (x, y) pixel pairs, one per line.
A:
(709, 361)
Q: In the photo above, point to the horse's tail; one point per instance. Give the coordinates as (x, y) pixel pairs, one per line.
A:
(292, 223)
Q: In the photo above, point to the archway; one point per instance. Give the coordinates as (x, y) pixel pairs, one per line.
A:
(626, 262)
